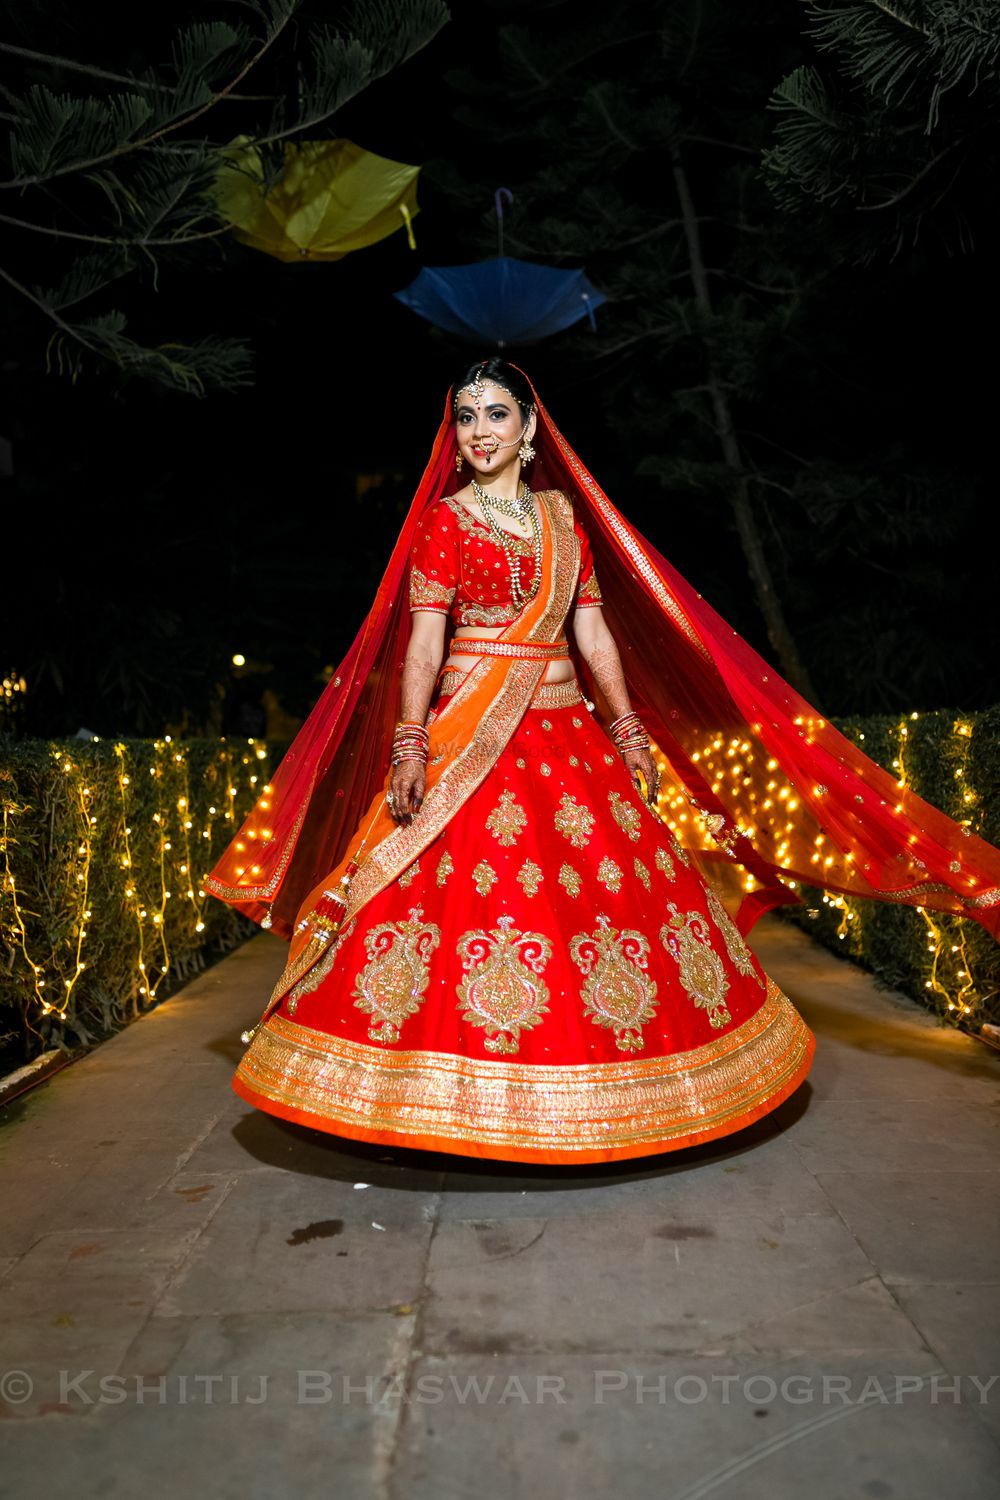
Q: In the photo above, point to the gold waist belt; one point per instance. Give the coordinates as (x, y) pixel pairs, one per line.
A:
(525, 650)
(546, 694)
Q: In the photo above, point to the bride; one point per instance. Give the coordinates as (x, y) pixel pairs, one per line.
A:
(499, 945)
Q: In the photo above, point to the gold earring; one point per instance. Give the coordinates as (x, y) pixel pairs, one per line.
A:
(526, 452)
(459, 460)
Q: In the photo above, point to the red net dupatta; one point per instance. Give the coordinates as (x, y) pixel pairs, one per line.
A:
(779, 796)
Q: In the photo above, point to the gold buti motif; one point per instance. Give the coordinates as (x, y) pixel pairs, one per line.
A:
(665, 863)
(737, 949)
(408, 874)
(445, 867)
(503, 991)
(508, 819)
(485, 877)
(392, 984)
(686, 939)
(679, 851)
(618, 994)
(625, 815)
(610, 874)
(574, 820)
(642, 873)
(530, 877)
(570, 880)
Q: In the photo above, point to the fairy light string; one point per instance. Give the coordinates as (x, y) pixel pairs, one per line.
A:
(132, 828)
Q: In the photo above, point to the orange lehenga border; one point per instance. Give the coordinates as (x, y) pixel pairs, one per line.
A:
(506, 1111)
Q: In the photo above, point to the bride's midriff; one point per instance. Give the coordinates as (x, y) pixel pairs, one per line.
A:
(556, 671)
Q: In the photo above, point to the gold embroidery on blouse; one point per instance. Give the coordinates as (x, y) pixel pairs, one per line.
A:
(508, 819)
(392, 984)
(610, 874)
(485, 877)
(546, 724)
(574, 760)
(686, 939)
(470, 613)
(642, 873)
(503, 990)
(520, 763)
(570, 880)
(427, 591)
(445, 867)
(409, 873)
(609, 760)
(589, 592)
(577, 723)
(574, 820)
(530, 877)
(618, 993)
(544, 769)
(665, 863)
(467, 522)
(625, 815)
(737, 949)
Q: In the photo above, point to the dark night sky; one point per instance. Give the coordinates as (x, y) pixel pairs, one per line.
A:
(240, 513)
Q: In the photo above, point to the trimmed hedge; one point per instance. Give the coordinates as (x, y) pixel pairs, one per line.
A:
(948, 963)
(102, 847)
(103, 843)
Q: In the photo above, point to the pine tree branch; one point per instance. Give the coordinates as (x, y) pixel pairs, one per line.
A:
(132, 82)
(127, 147)
(104, 239)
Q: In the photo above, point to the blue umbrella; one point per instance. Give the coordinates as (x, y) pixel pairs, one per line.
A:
(503, 300)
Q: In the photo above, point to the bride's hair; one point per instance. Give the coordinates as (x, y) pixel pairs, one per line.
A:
(499, 371)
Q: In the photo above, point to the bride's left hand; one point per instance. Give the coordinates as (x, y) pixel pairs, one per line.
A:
(642, 760)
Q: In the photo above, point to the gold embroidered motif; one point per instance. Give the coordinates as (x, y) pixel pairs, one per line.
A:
(617, 994)
(570, 880)
(737, 949)
(544, 769)
(408, 874)
(530, 876)
(625, 815)
(556, 694)
(520, 763)
(574, 760)
(610, 874)
(427, 591)
(503, 991)
(680, 852)
(470, 613)
(665, 863)
(577, 723)
(485, 877)
(589, 591)
(546, 724)
(391, 986)
(686, 939)
(586, 766)
(571, 1113)
(445, 867)
(642, 873)
(318, 972)
(574, 820)
(507, 820)
(609, 760)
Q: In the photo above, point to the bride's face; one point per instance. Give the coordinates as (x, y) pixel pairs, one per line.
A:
(489, 429)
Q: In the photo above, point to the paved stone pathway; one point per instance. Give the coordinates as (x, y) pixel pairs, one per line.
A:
(196, 1297)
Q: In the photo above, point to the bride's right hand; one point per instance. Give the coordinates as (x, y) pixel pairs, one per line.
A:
(409, 779)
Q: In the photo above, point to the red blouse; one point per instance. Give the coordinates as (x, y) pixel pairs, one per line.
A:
(457, 568)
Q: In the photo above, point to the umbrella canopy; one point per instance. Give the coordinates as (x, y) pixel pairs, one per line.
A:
(503, 300)
(332, 197)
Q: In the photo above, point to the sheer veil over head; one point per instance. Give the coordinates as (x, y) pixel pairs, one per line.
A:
(767, 793)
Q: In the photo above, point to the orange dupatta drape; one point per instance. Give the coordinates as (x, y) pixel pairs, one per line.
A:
(465, 740)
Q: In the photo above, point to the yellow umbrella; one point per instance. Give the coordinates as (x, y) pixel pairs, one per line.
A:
(333, 197)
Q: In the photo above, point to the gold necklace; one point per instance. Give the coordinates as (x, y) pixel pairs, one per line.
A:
(518, 509)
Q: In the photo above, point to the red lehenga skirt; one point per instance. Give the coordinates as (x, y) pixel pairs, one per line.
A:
(550, 981)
